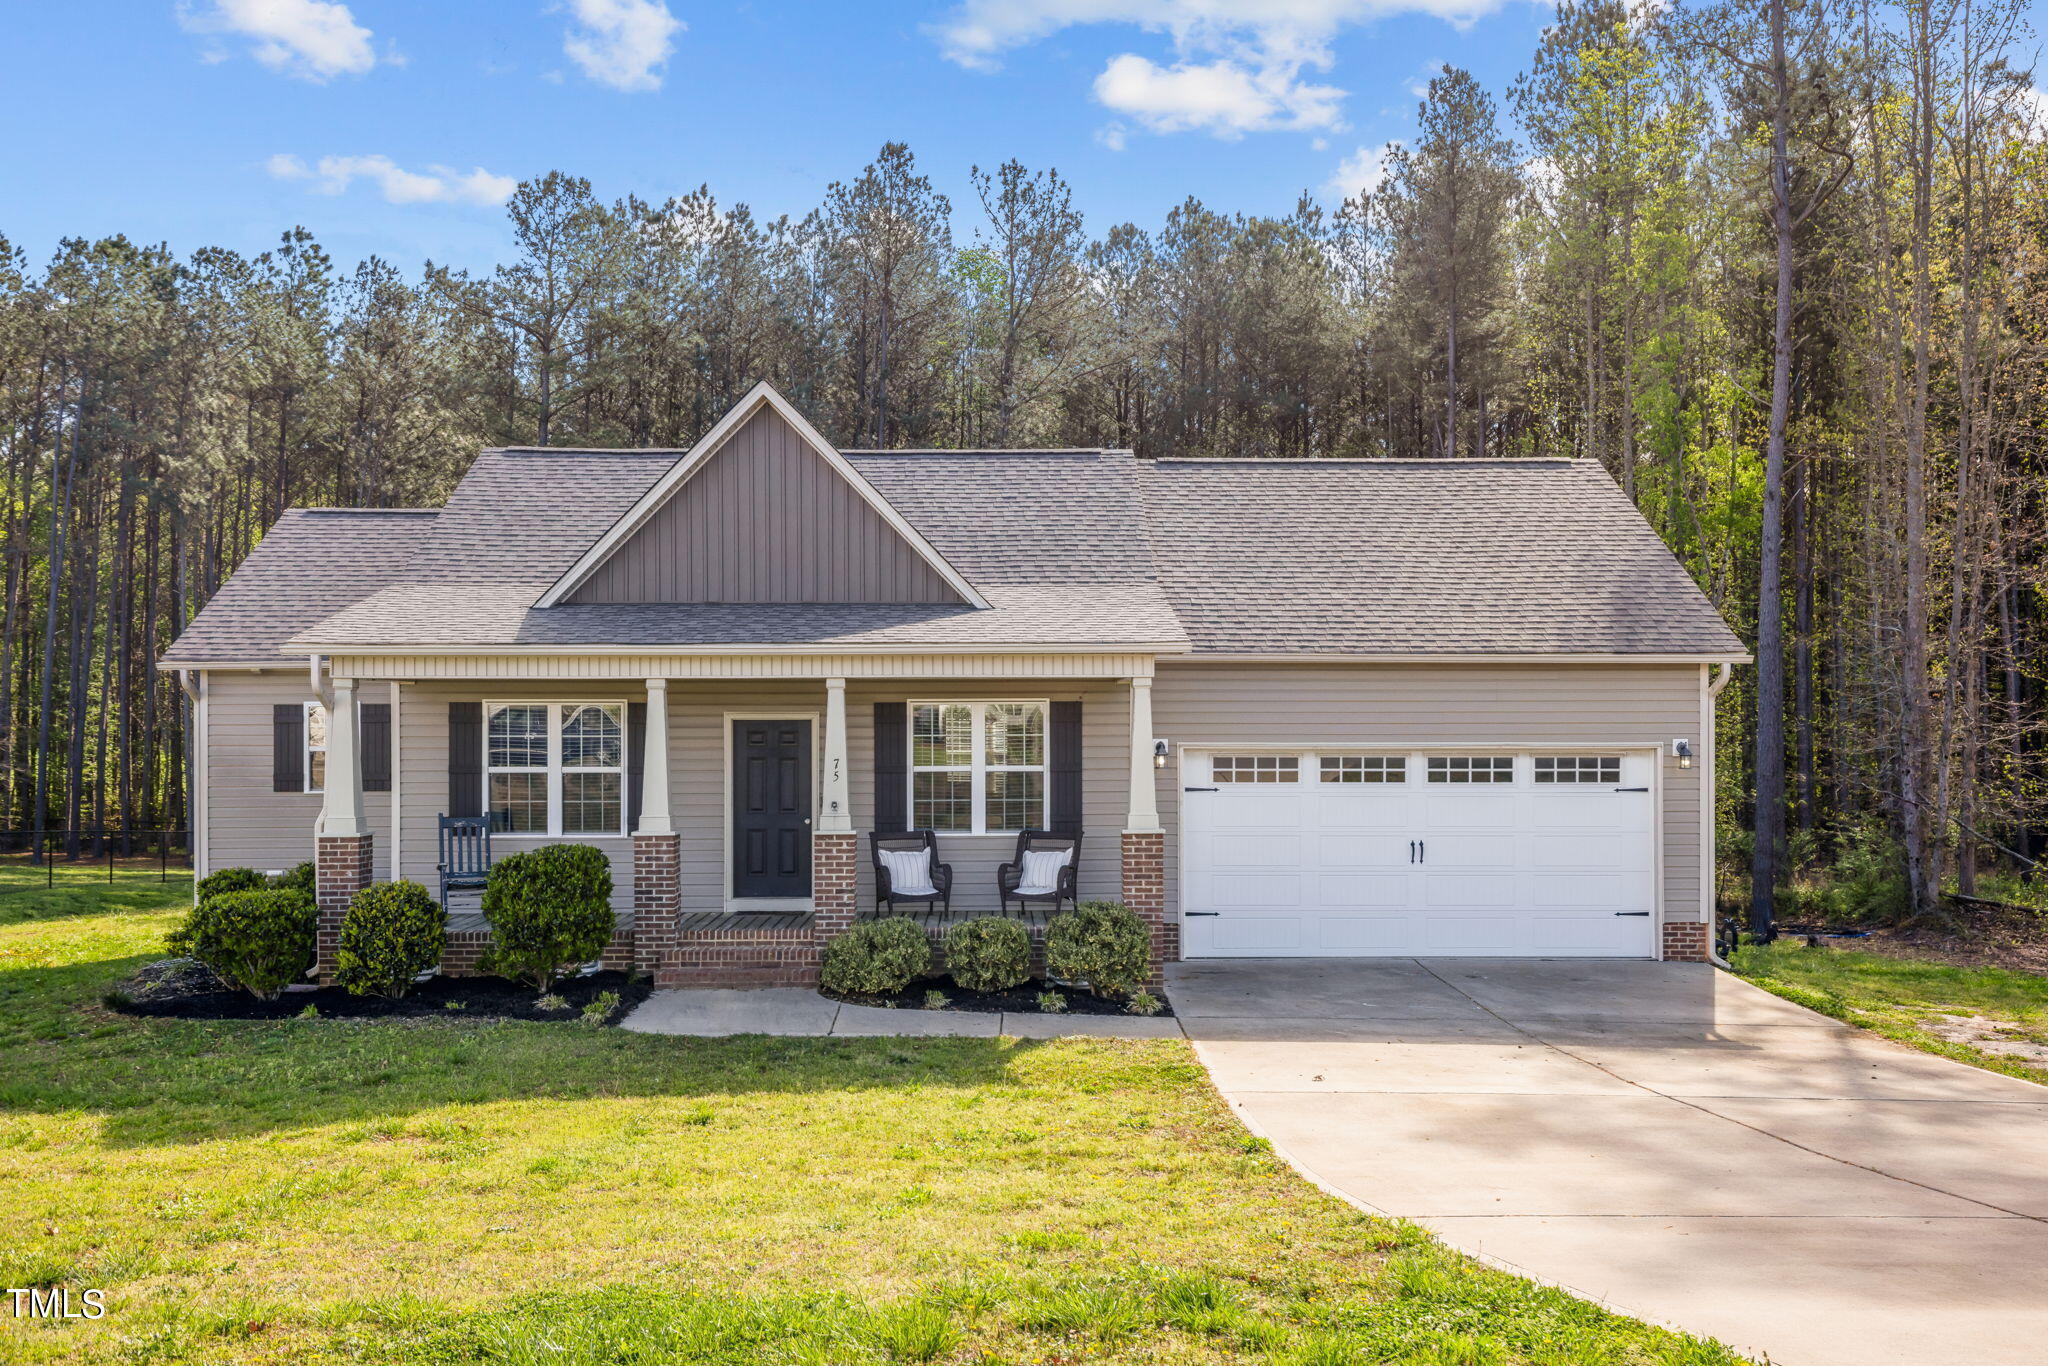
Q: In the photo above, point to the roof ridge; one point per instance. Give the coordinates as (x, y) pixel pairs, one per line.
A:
(978, 450)
(371, 512)
(1353, 461)
(673, 452)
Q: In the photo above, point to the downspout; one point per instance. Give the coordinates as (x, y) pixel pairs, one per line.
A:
(321, 681)
(1708, 786)
(193, 682)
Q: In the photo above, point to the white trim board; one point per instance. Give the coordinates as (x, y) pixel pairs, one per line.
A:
(761, 396)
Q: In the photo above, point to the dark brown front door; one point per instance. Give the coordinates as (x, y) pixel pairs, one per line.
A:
(771, 808)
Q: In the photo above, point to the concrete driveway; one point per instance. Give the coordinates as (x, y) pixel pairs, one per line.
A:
(1660, 1137)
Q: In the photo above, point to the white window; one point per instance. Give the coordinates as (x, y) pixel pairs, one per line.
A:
(977, 767)
(1364, 768)
(555, 768)
(1255, 768)
(315, 767)
(1579, 768)
(1473, 769)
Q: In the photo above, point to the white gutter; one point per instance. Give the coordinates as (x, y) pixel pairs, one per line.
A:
(321, 682)
(1710, 690)
(1533, 657)
(193, 681)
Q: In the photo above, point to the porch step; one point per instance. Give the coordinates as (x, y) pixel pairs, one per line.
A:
(736, 975)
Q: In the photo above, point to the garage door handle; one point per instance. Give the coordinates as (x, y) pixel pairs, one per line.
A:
(1631, 789)
(1198, 789)
(1192, 914)
(1631, 912)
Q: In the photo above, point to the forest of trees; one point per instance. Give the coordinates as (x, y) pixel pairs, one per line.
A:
(1780, 265)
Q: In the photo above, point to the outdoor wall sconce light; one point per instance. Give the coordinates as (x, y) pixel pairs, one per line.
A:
(1681, 750)
(1160, 749)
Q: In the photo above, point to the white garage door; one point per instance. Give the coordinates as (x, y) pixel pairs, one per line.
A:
(1332, 853)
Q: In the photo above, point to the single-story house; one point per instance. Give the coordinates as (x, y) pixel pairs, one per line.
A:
(1292, 707)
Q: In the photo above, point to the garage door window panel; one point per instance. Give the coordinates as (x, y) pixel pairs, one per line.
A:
(1574, 770)
(1363, 768)
(1472, 768)
(1255, 768)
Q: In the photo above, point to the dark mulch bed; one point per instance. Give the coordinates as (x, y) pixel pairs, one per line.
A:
(181, 989)
(1016, 1001)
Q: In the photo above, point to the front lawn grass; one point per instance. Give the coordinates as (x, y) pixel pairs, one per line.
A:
(447, 1191)
(1904, 998)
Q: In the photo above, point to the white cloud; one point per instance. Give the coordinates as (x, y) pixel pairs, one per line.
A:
(434, 185)
(620, 43)
(1364, 171)
(1237, 65)
(1219, 97)
(313, 39)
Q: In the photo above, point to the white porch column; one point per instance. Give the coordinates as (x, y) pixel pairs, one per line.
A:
(835, 805)
(341, 814)
(654, 817)
(1144, 812)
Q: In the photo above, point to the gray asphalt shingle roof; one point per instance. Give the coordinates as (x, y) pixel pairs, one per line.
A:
(311, 564)
(1071, 548)
(1433, 557)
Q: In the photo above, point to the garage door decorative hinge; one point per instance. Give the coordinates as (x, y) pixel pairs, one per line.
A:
(1200, 789)
(1631, 789)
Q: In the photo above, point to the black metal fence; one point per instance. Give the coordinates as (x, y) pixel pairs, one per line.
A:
(32, 859)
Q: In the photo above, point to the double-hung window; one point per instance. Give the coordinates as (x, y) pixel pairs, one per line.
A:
(555, 768)
(315, 767)
(977, 767)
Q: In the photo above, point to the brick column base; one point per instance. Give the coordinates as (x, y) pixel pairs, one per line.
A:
(835, 869)
(341, 866)
(1685, 941)
(1144, 888)
(657, 899)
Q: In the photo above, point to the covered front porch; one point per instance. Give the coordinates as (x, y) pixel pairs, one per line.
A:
(734, 794)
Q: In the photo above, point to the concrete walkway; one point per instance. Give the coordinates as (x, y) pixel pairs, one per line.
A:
(801, 1011)
(1661, 1137)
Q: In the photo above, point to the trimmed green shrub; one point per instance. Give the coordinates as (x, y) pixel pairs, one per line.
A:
(259, 940)
(1102, 943)
(547, 907)
(229, 880)
(391, 933)
(300, 877)
(877, 957)
(989, 954)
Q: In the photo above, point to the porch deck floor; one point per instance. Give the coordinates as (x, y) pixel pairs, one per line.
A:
(937, 921)
(740, 923)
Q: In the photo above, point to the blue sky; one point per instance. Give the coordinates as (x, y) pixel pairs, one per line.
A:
(397, 126)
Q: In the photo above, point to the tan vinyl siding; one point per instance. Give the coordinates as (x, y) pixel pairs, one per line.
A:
(424, 780)
(765, 520)
(698, 781)
(699, 784)
(1201, 706)
(247, 824)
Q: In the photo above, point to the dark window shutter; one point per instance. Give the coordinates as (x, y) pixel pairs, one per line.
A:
(1065, 785)
(288, 747)
(636, 760)
(465, 758)
(376, 740)
(892, 765)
